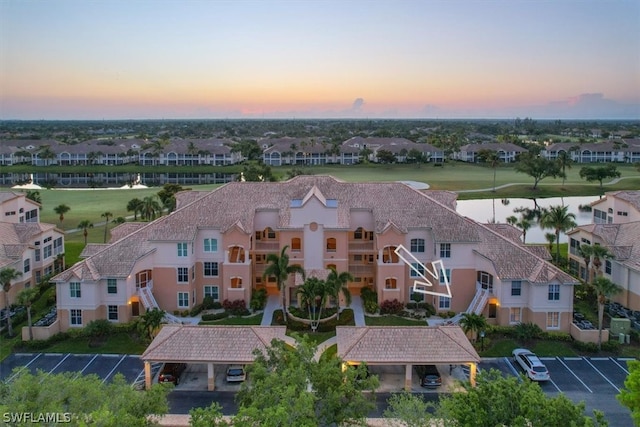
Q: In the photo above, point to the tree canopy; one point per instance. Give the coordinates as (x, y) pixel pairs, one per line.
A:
(630, 395)
(599, 173)
(537, 167)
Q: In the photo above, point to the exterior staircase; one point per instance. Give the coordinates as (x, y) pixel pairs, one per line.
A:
(150, 303)
(476, 306)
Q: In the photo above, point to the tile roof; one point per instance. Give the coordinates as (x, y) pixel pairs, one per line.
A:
(218, 344)
(631, 197)
(623, 240)
(408, 344)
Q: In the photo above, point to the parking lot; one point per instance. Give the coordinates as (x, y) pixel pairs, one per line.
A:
(594, 380)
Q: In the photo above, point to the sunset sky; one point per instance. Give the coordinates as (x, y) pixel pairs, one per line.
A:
(139, 59)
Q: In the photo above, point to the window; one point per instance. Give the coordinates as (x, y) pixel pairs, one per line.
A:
(331, 244)
(236, 282)
(236, 254)
(183, 274)
(415, 269)
(417, 245)
(516, 288)
(113, 312)
(445, 250)
(210, 269)
(27, 265)
(37, 255)
(57, 246)
(446, 273)
(599, 217)
(183, 299)
(389, 255)
(74, 288)
(554, 292)
(47, 240)
(358, 234)
(47, 251)
(182, 249)
(211, 245)
(212, 291)
(623, 213)
(444, 303)
(75, 317)
(112, 286)
(296, 244)
(607, 267)
(515, 315)
(553, 320)
(390, 283)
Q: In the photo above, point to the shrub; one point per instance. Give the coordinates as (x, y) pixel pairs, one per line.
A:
(217, 305)
(412, 305)
(527, 331)
(258, 299)
(237, 307)
(370, 306)
(431, 310)
(207, 302)
(589, 347)
(99, 328)
(391, 307)
(197, 309)
(215, 316)
(184, 313)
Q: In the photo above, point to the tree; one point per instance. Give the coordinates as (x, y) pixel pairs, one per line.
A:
(249, 149)
(474, 323)
(604, 289)
(492, 159)
(408, 410)
(207, 417)
(61, 210)
(167, 195)
(150, 322)
(551, 239)
(7, 275)
(85, 398)
(313, 293)
(256, 173)
(337, 283)
(498, 400)
(564, 160)
(278, 267)
(599, 173)
(524, 224)
(630, 395)
(598, 253)
(150, 208)
(34, 195)
(84, 225)
(537, 167)
(559, 219)
(586, 251)
(25, 298)
(134, 205)
(385, 156)
(106, 216)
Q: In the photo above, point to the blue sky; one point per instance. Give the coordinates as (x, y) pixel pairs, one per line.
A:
(397, 59)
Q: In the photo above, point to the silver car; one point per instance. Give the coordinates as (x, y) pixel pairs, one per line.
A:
(531, 364)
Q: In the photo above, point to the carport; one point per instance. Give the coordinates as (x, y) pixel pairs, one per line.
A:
(408, 346)
(208, 345)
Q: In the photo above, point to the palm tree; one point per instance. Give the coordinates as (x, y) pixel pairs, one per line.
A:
(151, 321)
(604, 289)
(586, 251)
(598, 253)
(149, 208)
(106, 216)
(551, 239)
(491, 158)
(337, 283)
(26, 298)
(34, 195)
(524, 224)
(474, 323)
(8, 274)
(564, 160)
(512, 220)
(84, 225)
(280, 269)
(313, 293)
(559, 219)
(61, 210)
(135, 206)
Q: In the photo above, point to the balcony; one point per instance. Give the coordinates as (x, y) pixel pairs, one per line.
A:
(362, 269)
(267, 246)
(360, 245)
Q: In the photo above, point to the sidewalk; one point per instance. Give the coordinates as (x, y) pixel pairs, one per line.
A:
(273, 304)
(358, 310)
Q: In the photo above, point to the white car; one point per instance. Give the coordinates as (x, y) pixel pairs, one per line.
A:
(236, 374)
(531, 364)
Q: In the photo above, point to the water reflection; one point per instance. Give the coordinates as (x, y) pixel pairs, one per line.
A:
(496, 210)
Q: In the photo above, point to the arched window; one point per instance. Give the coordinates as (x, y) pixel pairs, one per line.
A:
(236, 254)
(390, 283)
(236, 282)
(331, 266)
(389, 255)
(268, 234)
(331, 244)
(296, 244)
(359, 233)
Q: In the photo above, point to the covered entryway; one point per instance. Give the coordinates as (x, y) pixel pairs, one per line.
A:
(209, 345)
(407, 346)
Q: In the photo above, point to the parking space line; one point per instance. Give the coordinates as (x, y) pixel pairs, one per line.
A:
(601, 374)
(86, 366)
(513, 369)
(63, 359)
(619, 365)
(24, 367)
(114, 368)
(555, 385)
(573, 373)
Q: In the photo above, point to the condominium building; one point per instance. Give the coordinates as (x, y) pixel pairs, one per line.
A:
(216, 244)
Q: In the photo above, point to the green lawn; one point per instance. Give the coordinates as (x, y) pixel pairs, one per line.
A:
(252, 320)
(392, 321)
(120, 343)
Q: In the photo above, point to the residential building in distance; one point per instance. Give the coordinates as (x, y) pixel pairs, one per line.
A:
(506, 151)
(616, 225)
(615, 150)
(216, 244)
(30, 247)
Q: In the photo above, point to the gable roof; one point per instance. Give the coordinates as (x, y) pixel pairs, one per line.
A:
(621, 239)
(405, 345)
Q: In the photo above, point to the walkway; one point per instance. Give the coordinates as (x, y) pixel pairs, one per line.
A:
(358, 310)
(273, 304)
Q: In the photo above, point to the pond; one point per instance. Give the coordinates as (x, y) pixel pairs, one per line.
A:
(484, 211)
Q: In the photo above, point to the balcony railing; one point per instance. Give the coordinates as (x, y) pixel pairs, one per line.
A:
(267, 246)
(360, 245)
(361, 269)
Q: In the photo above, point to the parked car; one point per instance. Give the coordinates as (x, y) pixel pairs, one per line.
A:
(531, 364)
(429, 376)
(170, 373)
(236, 373)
